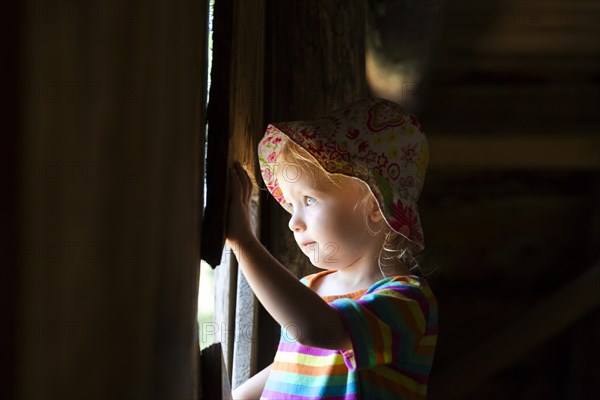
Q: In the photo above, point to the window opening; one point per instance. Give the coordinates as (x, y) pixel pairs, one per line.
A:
(206, 293)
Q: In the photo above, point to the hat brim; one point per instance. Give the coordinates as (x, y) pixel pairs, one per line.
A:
(373, 140)
(398, 217)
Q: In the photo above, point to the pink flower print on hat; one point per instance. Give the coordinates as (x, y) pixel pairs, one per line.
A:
(405, 220)
(374, 140)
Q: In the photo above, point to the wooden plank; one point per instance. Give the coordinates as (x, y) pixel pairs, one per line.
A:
(544, 321)
(217, 160)
(238, 98)
(219, 134)
(245, 346)
(225, 305)
(246, 330)
(515, 152)
(321, 69)
(247, 122)
(216, 373)
(12, 27)
(110, 171)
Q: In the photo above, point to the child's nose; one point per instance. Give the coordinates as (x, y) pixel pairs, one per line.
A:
(296, 223)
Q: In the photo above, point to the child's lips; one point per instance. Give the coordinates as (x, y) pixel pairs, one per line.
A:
(307, 244)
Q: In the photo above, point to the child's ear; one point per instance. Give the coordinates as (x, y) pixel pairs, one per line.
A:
(374, 213)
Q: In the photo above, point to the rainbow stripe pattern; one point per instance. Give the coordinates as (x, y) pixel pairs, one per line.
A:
(393, 329)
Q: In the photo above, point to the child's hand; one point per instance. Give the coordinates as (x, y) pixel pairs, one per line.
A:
(239, 227)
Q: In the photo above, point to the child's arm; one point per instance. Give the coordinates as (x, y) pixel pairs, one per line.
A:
(298, 309)
(253, 387)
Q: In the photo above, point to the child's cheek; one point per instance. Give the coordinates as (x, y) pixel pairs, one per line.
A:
(347, 230)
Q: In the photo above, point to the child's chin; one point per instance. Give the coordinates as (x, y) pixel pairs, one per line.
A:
(325, 266)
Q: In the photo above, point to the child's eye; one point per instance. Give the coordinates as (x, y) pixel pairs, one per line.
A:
(306, 197)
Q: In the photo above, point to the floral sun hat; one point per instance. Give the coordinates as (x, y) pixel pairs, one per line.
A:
(374, 140)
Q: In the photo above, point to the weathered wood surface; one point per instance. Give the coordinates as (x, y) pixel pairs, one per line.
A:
(219, 134)
(237, 106)
(215, 373)
(110, 193)
(315, 57)
(247, 118)
(225, 307)
(12, 27)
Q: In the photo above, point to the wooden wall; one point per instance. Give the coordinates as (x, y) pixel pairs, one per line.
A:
(109, 167)
(235, 120)
(311, 55)
(510, 205)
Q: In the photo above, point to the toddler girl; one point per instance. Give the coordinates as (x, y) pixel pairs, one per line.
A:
(366, 326)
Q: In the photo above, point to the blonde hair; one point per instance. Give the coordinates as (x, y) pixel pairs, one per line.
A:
(395, 248)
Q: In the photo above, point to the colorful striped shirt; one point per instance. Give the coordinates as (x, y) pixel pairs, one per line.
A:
(393, 330)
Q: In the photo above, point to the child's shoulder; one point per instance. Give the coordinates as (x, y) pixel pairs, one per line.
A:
(401, 284)
(309, 279)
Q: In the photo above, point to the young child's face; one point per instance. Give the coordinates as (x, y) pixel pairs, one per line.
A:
(324, 214)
